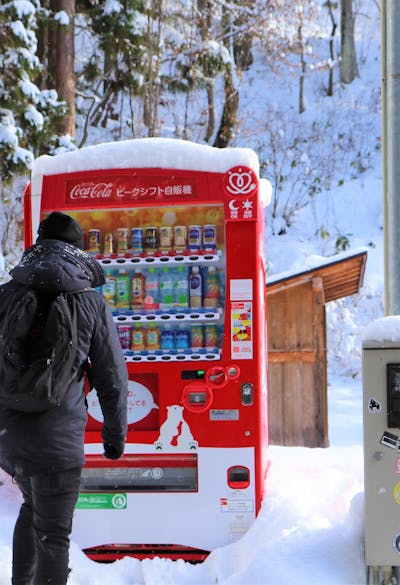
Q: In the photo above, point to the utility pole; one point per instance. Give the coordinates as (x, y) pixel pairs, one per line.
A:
(390, 13)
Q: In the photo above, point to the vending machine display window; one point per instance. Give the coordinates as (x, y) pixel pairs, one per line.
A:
(165, 278)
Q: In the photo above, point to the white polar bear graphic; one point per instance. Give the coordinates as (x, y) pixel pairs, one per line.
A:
(175, 432)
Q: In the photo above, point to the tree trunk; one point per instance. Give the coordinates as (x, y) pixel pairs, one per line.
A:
(61, 56)
(52, 48)
(42, 49)
(348, 63)
(231, 102)
(229, 114)
(151, 99)
(302, 106)
(331, 49)
(211, 112)
(204, 24)
(243, 43)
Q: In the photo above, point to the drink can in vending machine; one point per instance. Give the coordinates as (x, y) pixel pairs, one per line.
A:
(124, 333)
(182, 338)
(180, 238)
(210, 237)
(194, 238)
(137, 240)
(211, 288)
(94, 241)
(108, 245)
(166, 237)
(122, 240)
(210, 336)
(151, 240)
(196, 336)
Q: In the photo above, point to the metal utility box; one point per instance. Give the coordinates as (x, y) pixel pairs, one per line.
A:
(381, 394)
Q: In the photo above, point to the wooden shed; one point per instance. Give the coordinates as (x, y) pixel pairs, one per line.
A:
(297, 352)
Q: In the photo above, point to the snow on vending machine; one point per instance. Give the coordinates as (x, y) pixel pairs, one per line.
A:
(179, 230)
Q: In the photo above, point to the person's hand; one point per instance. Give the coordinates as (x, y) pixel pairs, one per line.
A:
(112, 452)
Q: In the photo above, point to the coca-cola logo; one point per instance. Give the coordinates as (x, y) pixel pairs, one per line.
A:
(91, 191)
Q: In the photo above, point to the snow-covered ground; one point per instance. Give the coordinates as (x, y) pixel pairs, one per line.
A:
(309, 531)
(310, 528)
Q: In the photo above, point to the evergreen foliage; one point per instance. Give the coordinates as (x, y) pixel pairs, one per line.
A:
(27, 113)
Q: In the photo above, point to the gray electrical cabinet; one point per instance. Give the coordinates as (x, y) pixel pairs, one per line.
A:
(381, 406)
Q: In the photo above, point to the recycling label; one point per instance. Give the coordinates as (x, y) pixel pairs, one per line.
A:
(104, 501)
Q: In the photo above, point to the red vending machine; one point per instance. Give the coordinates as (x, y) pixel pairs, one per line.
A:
(179, 231)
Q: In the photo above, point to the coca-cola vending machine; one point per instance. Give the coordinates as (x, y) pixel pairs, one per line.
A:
(179, 231)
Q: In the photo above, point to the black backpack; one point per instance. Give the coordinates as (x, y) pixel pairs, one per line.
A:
(38, 343)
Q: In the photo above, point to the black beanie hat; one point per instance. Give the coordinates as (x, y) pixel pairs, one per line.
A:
(59, 226)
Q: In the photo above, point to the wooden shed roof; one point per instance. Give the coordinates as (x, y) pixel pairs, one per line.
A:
(342, 275)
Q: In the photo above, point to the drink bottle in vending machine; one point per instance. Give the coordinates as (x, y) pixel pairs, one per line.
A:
(152, 290)
(181, 288)
(178, 229)
(195, 288)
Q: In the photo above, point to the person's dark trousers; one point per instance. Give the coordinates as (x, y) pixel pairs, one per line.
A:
(41, 534)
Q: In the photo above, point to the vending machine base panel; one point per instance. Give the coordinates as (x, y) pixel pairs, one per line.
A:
(112, 552)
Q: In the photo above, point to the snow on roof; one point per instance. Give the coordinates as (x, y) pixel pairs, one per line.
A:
(313, 262)
(165, 153)
(384, 331)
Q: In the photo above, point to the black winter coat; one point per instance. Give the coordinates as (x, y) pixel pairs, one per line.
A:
(34, 443)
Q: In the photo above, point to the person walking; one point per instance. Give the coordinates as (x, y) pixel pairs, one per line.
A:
(44, 452)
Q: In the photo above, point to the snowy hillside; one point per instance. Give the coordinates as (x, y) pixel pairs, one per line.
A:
(310, 529)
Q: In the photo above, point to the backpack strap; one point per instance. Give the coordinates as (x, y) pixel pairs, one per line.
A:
(86, 368)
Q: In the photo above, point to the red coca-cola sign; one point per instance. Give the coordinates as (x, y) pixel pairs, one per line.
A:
(90, 190)
(130, 188)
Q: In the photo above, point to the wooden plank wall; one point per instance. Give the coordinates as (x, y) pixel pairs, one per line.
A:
(297, 384)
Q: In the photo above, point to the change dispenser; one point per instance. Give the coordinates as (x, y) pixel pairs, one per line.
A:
(381, 397)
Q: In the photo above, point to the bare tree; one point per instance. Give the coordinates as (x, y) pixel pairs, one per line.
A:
(331, 48)
(303, 65)
(348, 62)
